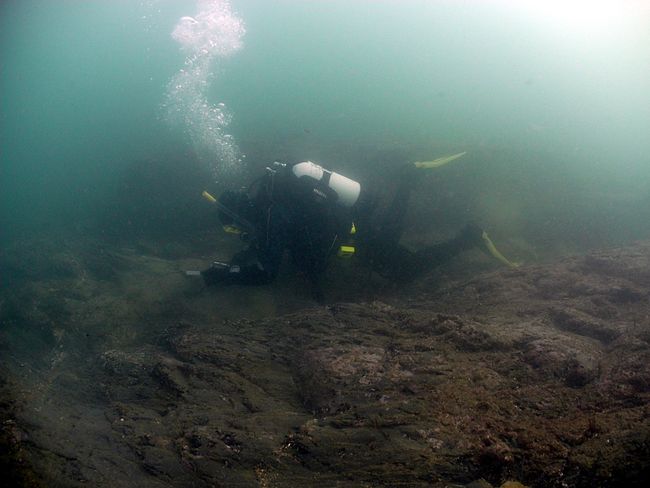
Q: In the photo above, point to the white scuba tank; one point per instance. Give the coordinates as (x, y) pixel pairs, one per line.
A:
(346, 189)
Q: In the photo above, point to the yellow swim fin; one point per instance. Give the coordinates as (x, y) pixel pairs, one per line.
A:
(495, 252)
(436, 163)
(208, 197)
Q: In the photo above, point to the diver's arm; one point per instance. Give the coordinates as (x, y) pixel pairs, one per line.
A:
(235, 274)
(257, 265)
(251, 267)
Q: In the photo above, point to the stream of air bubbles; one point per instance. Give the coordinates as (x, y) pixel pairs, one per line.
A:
(208, 38)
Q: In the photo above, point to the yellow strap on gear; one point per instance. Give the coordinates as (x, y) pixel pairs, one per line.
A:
(353, 229)
(208, 197)
(495, 252)
(231, 229)
(436, 163)
(346, 251)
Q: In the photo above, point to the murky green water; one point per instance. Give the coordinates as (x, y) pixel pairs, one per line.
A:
(550, 99)
(117, 368)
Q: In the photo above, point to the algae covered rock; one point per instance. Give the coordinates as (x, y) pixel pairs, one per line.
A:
(500, 380)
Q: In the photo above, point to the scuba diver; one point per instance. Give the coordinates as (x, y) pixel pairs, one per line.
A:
(313, 213)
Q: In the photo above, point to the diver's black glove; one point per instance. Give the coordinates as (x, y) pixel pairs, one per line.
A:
(215, 274)
(470, 236)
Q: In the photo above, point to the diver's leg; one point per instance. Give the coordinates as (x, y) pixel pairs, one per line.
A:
(399, 264)
(393, 220)
(433, 256)
(379, 217)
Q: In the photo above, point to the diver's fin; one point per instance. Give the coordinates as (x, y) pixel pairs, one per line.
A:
(495, 252)
(436, 163)
(208, 197)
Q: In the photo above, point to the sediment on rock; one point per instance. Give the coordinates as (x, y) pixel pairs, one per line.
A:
(540, 374)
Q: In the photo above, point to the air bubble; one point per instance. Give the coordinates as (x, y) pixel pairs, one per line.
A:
(209, 37)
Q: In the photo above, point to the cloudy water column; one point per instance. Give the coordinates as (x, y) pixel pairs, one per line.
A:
(209, 37)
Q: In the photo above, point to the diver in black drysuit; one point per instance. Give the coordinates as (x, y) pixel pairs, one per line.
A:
(309, 211)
